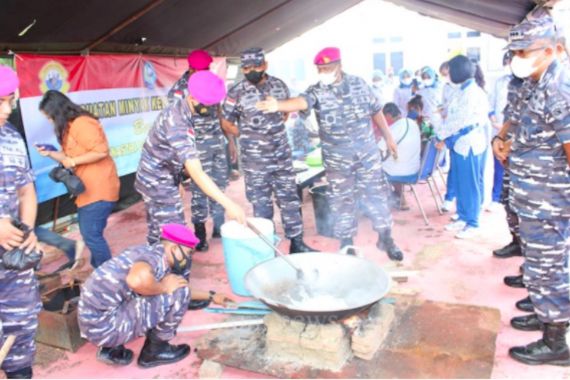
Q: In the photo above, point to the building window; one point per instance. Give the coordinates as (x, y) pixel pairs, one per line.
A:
(397, 61)
(454, 35)
(379, 40)
(473, 34)
(396, 39)
(474, 53)
(379, 62)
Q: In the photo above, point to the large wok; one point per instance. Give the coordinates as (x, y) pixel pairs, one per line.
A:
(334, 286)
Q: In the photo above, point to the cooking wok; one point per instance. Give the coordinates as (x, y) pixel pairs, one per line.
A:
(335, 286)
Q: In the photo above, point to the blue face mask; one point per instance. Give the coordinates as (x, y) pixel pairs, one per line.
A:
(413, 114)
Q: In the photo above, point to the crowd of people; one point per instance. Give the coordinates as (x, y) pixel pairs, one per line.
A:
(144, 291)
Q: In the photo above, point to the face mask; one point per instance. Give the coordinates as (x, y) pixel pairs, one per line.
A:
(255, 76)
(413, 114)
(327, 78)
(523, 67)
(203, 110)
(377, 83)
(428, 82)
(181, 267)
(407, 81)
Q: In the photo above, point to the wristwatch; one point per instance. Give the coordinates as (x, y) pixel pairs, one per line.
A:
(212, 294)
(497, 137)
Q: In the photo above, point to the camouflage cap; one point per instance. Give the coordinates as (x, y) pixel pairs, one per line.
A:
(252, 57)
(529, 33)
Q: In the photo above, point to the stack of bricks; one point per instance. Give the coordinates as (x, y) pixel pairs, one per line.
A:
(372, 331)
(322, 346)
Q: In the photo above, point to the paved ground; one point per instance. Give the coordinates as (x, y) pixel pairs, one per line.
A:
(450, 270)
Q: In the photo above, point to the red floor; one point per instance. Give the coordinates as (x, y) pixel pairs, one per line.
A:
(450, 270)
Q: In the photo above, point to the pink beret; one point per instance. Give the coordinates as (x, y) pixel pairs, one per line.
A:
(327, 55)
(207, 88)
(180, 234)
(199, 60)
(9, 81)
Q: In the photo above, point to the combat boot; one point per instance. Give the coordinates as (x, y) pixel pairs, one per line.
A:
(200, 231)
(386, 243)
(217, 232)
(528, 322)
(551, 349)
(525, 305)
(299, 246)
(510, 250)
(514, 281)
(23, 373)
(115, 355)
(157, 352)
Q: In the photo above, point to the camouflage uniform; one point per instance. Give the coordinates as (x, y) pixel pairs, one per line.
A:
(211, 144)
(540, 190)
(511, 113)
(111, 314)
(179, 90)
(170, 143)
(19, 293)
(350, 155)
(265, 152)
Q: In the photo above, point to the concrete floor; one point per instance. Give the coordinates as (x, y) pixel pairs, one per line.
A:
(450, 270)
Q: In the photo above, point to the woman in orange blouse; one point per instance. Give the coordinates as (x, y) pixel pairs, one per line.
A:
(86, 152)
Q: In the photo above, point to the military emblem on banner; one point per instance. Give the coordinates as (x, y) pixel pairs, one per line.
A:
(149, 75)
(53, 76)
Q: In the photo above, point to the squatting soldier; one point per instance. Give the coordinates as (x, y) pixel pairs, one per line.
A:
(345, 106)
(265, 151)
(143, 291)
(540, 186)
(171, 147)
(19, 295)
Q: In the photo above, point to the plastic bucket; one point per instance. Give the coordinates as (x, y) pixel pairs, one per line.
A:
(243, 250)
(322, 210)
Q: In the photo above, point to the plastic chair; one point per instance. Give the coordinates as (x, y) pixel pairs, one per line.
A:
(428, 166)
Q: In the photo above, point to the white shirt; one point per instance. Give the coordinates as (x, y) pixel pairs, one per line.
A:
(409, 149)
(498, 97)
(468, 106)
(432, 97)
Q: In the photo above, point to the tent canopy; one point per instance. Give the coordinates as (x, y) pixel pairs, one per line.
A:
(224, 27)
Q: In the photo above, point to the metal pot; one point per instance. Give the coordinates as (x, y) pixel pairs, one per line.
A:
(334, 286)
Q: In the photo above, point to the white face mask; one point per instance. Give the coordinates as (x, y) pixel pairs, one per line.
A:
(327, 78)
(523, 67)
(407, 81)
(428, 82)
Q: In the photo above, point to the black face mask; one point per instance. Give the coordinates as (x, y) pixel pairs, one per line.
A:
(255, 76)
(181, 267)
(203, 110)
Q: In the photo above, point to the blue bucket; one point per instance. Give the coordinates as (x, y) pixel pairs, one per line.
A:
(243, 250)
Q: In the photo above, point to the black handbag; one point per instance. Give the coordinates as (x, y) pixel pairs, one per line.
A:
(17, 259)
(72, 183)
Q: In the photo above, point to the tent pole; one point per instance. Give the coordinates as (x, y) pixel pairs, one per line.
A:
(128, 21)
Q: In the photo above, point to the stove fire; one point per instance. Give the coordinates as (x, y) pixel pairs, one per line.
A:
(328, 346)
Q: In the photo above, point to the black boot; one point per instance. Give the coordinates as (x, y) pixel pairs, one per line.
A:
(115, 355)
(386, 243)
(157, 352)
(24, 373)
(217, 232)
(510, 250)
(200, 231)
(551, 349)
(525, 305)
(299, 246)
(528, 322)
(514, 281)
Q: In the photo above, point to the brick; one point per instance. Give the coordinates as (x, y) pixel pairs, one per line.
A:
(372, 332)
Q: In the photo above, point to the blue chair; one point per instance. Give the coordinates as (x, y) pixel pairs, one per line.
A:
(428, 166)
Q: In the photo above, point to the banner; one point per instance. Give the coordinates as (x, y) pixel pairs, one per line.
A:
(126, 93)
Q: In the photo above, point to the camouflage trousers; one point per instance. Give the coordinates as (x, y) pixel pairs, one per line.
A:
(215, 165)
(134, 318)
(512, 218)
(278, 179)
(162, 212)
(19, 308)
(357, 181)
(546, 247)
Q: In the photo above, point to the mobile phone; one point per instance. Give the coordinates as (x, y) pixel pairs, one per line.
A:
(47, 147)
